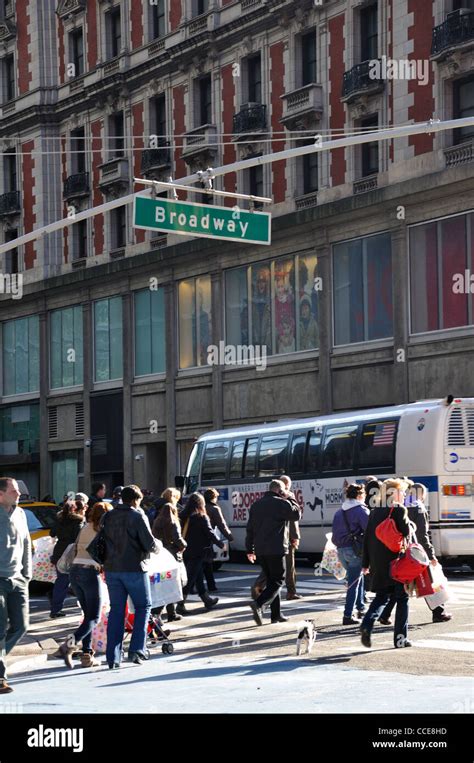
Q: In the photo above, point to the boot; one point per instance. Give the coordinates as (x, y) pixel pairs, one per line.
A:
(88, 660)
(181, 609)
(67, 649)
(209, 602)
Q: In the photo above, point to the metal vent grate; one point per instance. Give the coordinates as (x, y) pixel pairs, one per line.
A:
(461, 427)
(80, 419)
(52, 422)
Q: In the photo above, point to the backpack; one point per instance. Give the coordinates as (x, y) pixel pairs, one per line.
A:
(410, 564)
(388, 533)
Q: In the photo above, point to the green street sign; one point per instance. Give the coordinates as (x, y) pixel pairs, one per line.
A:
(187, 219)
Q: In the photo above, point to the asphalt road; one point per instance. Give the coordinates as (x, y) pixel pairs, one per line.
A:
(223, 662)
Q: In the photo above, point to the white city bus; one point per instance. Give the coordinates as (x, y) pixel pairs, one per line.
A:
(431, 441)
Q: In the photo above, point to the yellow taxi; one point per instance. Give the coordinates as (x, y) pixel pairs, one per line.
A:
(40, 516)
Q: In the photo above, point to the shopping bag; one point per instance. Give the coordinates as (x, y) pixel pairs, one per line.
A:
(165, 580)
(437, 599)
(439, 578)
(331, 561)
(424, 584)
(99, 632)
(442, 592)
(43, 570)
(64, 563)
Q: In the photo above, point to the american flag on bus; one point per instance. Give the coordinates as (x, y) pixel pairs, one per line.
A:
(384, 433)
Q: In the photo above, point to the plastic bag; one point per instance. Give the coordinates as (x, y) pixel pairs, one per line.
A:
(165, 580)
(440, 586)
(43, 570)
(331, 561)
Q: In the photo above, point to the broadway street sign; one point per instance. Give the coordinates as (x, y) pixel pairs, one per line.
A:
(203, 220)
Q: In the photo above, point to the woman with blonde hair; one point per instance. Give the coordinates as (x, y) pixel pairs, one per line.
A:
(85, 582)
(169, 495)
(376, 559)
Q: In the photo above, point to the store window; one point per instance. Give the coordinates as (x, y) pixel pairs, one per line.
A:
(66, 347)
(21, 356)
(149, 332)
(195, 326)
(108, 350)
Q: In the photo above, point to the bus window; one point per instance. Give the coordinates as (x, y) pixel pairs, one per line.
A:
(312, 456)
(377, 446)
(214, 465)
(237, 459)
(272, 458)
(194, 468)
(298, 444)
(251, 457)
(338, 451)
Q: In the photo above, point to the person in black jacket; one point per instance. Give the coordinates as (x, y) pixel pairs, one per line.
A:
(167, 528)
(98, 493)
(128, 544)
(216, 518)
(268, 539)
(198, 534)
(66, 529)
(376, 559)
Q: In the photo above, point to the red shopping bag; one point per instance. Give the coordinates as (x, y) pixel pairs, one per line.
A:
(424, 583)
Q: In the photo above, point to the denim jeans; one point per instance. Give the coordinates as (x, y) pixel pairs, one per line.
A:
(121, 585)
(85, 582)
(13, 616)
(59, 592)
(355, 592)
(377, 606)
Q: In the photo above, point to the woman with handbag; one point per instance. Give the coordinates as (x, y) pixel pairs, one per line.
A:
(377, 557)
(349, 524)
(86, 584)
(66, 529)
(167, 528)
(200, 539)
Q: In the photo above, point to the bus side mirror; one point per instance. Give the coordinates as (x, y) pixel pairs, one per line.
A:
(179, 481)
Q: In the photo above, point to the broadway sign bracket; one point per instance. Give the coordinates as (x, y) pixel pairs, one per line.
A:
(202, 220)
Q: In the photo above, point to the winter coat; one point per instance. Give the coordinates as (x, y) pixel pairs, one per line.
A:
(376, 555)
(66, 531)
(216, 519)
(198, 534)
(418, 514)
(357, 515)
(128, 540)
(171, 537)
(267, 526)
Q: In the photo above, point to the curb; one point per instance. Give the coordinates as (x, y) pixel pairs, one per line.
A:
(23, 664)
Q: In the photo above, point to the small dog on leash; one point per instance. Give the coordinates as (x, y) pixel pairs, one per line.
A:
(306, 637)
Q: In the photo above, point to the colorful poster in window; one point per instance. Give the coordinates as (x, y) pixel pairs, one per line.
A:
(284, 302)
(261, 307)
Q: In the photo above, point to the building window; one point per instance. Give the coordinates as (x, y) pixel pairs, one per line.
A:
(11, 257)
(463, 106)
(116, 135)
(200, 6)
(8, 78)
(368, 33)
(113, 26)
(78, 151)
(205, 101)
(108, 349)
(369, 151)
(150, 332)
(19, 430)
(308, 58)
(158, 19)
(79, 240)
(255, 181)
(67, 465)
(310, 172)
(441, 252)
(195, 316)
(10, 176)
(254, 79)
(66, 347)
(273, 305)
(118, 228)
(362, 288)
(21, 356)
(76, 51)
(158, 118)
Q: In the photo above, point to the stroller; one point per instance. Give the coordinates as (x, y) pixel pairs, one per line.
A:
(155, 632)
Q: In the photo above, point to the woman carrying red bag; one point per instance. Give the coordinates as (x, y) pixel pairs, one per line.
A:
(376, 559)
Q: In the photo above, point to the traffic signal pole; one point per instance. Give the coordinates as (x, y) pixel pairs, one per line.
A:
(319, 145)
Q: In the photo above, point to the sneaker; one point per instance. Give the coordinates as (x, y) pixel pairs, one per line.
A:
(136, 658)
(293, 596)
(365, 638)
(55, 615)
(407, 643)
(4, 687)
(280, 619)
(350, 621)
(114, 666)
(257, 613)
(443, 618)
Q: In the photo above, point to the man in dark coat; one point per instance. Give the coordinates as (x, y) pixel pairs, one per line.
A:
(376, 559)
(268, 539)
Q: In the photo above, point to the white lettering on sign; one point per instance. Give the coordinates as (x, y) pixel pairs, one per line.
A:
(206, 222)
(159, 215)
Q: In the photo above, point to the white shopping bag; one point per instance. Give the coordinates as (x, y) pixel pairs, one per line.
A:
(331, 561)
(165, 580)
(43, 570)
(442, 592)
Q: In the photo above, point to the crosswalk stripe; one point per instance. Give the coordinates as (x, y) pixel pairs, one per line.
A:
(453, 646)
(460, 634)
